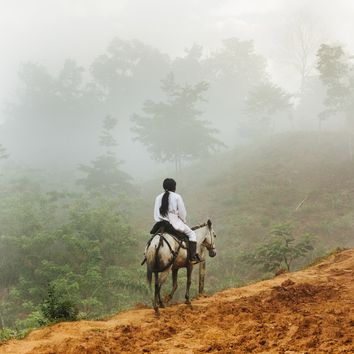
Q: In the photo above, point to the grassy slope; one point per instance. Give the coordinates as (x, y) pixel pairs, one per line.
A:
(248, 190)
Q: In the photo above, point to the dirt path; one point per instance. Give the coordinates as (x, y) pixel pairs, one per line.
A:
(310, 311)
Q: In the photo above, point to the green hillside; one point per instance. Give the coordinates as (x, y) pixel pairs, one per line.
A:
(304, 179)
(68, 255)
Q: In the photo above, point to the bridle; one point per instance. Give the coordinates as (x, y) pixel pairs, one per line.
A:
(211, 246)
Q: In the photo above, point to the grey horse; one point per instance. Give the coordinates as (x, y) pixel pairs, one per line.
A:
(165, 252)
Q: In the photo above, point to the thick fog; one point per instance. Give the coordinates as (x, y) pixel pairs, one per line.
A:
(66, 65)
(247, 104)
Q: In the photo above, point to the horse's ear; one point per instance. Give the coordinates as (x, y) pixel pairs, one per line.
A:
(209, 223)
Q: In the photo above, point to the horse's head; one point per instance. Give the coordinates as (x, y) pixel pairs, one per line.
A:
(209, 241)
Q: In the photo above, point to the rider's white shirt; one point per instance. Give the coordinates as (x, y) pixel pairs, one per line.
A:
(176, 208)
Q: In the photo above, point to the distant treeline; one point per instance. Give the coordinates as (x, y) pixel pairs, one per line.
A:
(223, 98)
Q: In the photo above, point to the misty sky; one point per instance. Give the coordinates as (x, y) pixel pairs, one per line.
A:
(48, 31)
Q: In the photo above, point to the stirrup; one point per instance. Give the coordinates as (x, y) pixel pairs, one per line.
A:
(196, 259)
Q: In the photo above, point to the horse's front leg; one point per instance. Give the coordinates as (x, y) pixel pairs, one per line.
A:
(189, 282)
(174, 285)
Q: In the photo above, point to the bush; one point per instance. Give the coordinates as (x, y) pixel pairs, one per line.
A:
(9, 333)
(58, 306)
(280, 251)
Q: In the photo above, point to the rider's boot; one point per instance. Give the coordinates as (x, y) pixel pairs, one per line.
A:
(194, 256)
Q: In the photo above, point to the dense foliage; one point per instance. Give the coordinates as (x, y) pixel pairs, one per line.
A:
(64, 256)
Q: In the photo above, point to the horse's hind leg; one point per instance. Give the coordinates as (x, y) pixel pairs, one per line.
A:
(156, 294)
(189, 282)
(174, 285)
(162, 279)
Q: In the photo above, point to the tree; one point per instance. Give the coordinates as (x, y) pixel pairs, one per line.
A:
(58, 306)
(173, 130)
(298, 46)
(126, 73)
(236, 64)
(3, 153)
(261, 105)
(53, 118)
(280, 249)
(103, 175)
(189, 68)
(232, 71)
(336, 70)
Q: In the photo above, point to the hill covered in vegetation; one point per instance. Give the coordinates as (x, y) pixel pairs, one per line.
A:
(67, 253)
(301, 181)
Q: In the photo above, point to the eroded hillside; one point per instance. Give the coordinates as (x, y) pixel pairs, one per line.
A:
(310, 311)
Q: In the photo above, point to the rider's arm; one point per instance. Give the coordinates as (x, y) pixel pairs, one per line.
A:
(182, 212)
(157, 210)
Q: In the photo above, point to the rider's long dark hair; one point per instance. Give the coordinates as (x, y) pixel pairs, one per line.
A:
(169, 184)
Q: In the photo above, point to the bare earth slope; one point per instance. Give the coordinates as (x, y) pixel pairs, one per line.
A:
(310, 311)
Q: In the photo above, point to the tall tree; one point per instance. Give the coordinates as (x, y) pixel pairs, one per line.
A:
(52, 121)
(336, 70)
(298, 45)
(261, 106)
(232, 71)
(173, 130)
(103, 175)
(126, 73)
(189, 68)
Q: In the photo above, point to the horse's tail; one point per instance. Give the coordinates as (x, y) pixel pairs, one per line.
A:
(149, 276)
(151, 261)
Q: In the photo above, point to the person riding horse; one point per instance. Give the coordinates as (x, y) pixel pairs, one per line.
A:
(169, 207)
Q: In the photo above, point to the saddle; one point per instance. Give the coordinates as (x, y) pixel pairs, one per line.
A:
(165, 226)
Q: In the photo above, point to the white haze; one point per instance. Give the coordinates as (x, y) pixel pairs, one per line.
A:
(48, 32)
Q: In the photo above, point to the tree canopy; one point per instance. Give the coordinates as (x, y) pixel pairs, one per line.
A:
(173, 130)
(336, 72)
(262, 103)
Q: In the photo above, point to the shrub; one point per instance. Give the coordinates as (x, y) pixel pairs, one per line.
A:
(58, 306)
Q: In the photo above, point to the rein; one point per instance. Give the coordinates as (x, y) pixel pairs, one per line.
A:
(212, 246)
(199, 226)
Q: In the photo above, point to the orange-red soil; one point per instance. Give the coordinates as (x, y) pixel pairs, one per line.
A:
(310, 311)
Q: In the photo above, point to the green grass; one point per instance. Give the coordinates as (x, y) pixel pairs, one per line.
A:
(246, 191)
